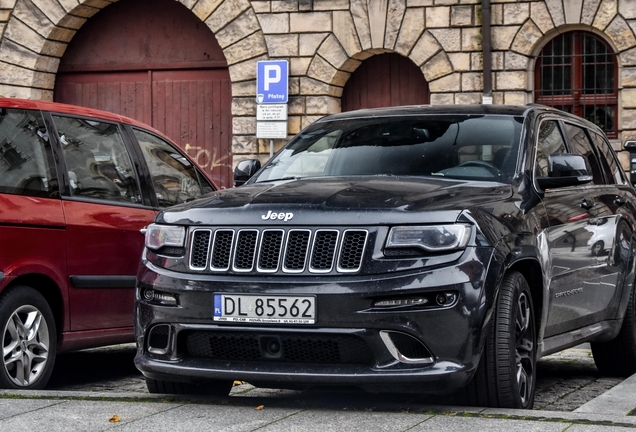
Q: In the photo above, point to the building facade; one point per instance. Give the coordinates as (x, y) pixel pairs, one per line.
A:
(578, 55)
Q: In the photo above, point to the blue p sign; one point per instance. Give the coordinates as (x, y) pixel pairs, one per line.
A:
(272, 78)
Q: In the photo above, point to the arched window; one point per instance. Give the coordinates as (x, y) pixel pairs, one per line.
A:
(385, 80)
(576, 72)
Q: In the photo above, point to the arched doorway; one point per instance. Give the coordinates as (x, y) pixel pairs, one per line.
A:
(385, 80)
(155, 61)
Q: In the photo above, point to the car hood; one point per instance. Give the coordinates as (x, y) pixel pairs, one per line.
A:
(339, 201)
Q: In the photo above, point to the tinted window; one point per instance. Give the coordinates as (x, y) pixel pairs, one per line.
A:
(449, 146)
(26, 160)
(174, 177)
(580, 144)
(549, 142)
(608, 158)
(97, 161)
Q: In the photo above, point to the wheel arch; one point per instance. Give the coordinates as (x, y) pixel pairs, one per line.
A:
(48, 289)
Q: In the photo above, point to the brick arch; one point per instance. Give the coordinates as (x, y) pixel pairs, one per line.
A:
(35, 39)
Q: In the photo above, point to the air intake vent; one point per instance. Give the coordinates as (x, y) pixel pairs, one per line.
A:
(406, 348)
(159, 338)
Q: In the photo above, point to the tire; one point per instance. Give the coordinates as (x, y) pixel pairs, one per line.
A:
(29, 339)
(506, 375)
(217, 388)
(618, 356)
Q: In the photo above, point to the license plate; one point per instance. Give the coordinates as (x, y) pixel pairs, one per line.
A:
(264, 309)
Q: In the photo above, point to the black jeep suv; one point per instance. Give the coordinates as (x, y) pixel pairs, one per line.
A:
(427, 249)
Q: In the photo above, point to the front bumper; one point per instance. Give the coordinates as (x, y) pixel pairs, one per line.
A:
(438, 348)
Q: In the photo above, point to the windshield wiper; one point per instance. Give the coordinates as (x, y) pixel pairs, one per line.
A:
(279, 179)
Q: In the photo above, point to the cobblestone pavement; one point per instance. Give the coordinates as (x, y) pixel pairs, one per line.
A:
(565, 380)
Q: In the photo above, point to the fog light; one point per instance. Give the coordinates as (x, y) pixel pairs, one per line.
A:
(162, 298)
(440, 299)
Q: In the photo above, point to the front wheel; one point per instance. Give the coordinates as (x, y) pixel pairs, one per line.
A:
(28, 339)
(506, 375)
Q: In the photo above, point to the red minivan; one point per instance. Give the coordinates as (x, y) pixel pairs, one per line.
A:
(76, 187)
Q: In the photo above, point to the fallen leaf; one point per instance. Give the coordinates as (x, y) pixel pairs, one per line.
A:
(114, 419)
(259, 408)
(237, 383)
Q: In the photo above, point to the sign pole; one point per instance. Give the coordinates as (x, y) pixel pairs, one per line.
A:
(271, 148)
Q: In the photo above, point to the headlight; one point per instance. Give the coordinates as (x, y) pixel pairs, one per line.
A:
(158, 236)
(431, 238)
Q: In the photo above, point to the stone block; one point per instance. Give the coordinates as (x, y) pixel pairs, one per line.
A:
(628, 58)
(310, 86)
(226, 12)
(261, 6)
(274, 23)
(294, 86)
(541, 16)
(12, 91)
(204, 8)
(331, 5)
(605, 14)
(243, 106)
(589, 11)
(449, 39)
(506, 80)
(303, 22)
(446, 2)
(438, 17)
(245, 70)
(322, 105)
(515, 13)
(321, 70)
(309, 43)
(345, 31)
(294, 124)
(418, 3)
(296, 105)
(448, 83)
(628, 97)
(471, 39)
(498, 60)
(33, 18)
(556, 11)
(238, 29)
(460, 61)
(515, 61)
(515, 98)
(502, 37)
(307, 120)
(572, 11)
(298, 65)
(333, 52)
(244, 88)
(252, 46)
(51, 9)
(410, 31)
(425, 48)
(621, 33)
(497, 98)
(264, 146)
(376, 12)
(472, 82)
(527, 38)
(284, 6)
(282, 45)
(10, 4)
(19, 32)
(628, 77)
(395, 15)
(442, 98)
(468, 98)
(244, 125)
(627, 9)
(360, 14)
(83, 10)
(72, 22)
(462, 16)
(242, 144)
(628, 118)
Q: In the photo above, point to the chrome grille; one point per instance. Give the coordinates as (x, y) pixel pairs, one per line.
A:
(251, 250)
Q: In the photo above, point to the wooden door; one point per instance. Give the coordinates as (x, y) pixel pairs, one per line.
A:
(385, 80)
(169, 72)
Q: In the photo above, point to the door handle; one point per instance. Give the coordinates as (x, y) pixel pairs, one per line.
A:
(587, 204)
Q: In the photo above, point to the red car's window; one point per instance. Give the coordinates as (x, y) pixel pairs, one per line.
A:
(97, 160)
(26, 161)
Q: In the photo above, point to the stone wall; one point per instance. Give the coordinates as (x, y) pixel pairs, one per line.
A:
(326, 40)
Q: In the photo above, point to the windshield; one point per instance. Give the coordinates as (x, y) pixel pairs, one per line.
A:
(470, 147)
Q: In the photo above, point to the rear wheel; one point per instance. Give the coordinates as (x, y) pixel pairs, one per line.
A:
(505, 377)
(618, 356)
(208, 388)
(28, 339)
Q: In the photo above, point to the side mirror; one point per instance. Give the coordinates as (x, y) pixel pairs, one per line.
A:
(244, 170)
(566, 170)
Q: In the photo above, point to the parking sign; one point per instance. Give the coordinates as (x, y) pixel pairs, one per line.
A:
(272, 79)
